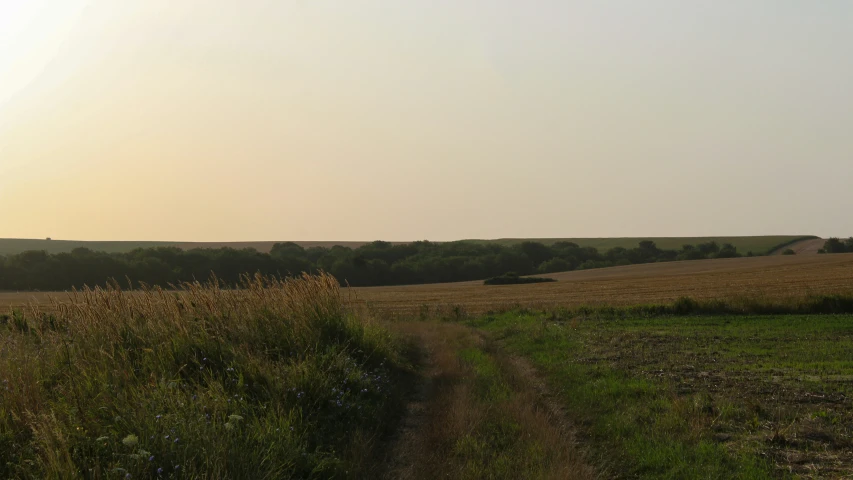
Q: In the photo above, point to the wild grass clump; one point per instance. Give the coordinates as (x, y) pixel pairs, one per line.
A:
(272, 379)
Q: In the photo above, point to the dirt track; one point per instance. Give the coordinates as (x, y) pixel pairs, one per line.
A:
(448, 409)
(804, 247)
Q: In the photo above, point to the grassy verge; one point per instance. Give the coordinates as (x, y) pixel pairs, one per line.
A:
(273, 380)
(699, 397)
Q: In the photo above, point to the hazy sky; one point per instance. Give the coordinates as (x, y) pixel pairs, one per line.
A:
(441, 119)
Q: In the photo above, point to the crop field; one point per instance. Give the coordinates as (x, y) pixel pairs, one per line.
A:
(762, 278)
(757, 245)
(699, 397)
(777, 278)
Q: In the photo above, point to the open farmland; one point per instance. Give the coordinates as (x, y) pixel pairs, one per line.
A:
(724, 396)
(646, 395)
(771, 278)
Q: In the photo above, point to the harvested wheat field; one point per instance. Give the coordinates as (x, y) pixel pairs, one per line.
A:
(772, 277)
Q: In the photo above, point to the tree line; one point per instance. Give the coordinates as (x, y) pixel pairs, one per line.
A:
(373, 264)
(836, 245)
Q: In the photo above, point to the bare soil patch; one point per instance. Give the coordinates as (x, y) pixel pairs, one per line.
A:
(805, 247)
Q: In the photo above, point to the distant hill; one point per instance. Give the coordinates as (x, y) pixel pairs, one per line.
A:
(757, 244)
(11, 246)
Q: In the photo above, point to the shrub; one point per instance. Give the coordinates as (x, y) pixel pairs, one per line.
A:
(555, 265)
(835, 245)
(512, 278)
(788, 251)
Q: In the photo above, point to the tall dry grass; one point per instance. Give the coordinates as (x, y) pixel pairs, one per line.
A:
(273, 379)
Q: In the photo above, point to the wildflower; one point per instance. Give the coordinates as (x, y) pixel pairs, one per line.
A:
(127, 476)
(160, 471)
(102, 439)
(158, 417)
(177, 467)
(176, 440)
(129, 441)
(151, 458)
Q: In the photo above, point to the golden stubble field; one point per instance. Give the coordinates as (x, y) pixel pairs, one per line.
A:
(773, 277)
(777, 277)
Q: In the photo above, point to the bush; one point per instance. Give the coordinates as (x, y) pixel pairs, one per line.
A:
(555, 265)
(512, 278)
(835, 245)
(788, 251)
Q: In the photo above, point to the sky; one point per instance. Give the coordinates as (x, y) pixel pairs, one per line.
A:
(213, 120)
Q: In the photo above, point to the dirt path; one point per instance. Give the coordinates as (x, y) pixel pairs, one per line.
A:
(479, 414)
(803, 247)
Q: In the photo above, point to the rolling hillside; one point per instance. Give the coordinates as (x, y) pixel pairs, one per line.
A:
(11, 246)
(759, 245)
